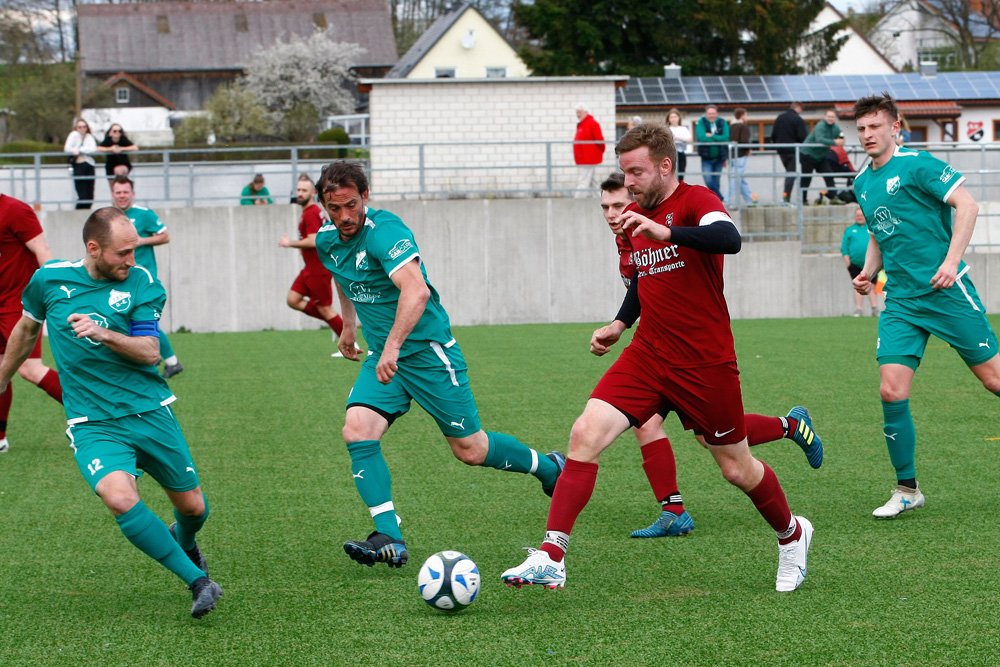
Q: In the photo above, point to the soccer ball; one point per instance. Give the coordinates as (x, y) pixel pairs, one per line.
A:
(448, 581)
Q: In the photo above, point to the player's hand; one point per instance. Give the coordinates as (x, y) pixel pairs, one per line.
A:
(636, 223)
(605, 337)
(945, 276)
(284, 241)
(84, 327)
(862, 284)
(347, 345)
(386, 367)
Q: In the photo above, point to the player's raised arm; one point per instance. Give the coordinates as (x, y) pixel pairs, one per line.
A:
(40, 248)
(717, 236)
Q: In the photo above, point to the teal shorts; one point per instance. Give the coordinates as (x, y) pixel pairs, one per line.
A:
(955, 315)
(435, 378)
(151, 441)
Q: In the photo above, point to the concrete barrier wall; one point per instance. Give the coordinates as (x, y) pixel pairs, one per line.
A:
(493, 262)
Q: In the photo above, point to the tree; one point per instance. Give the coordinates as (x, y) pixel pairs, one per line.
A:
(237, 115)
(638, 38)
(970, 26)
(313, 71)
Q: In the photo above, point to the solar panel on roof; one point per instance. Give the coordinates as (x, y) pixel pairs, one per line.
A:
(634, 96)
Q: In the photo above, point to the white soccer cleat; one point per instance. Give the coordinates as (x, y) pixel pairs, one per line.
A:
(793, 559)
(4, 446)
(903, 498)
(538, 568)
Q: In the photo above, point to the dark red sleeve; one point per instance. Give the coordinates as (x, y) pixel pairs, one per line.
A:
(24, 223)
(313, 220)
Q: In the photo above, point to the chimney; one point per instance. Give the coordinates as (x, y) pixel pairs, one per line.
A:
(928, 69)
(672, 71)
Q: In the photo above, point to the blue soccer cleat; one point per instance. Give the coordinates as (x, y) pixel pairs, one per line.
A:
(805, 436)
(378, 548)
(560, 461)
(668, 525)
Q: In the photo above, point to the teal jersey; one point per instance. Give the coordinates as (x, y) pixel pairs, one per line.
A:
(97, 383)
(904, 202)
(854, 244)
(363, 267)
(147, 223)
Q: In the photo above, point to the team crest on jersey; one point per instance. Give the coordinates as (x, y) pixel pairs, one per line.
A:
(883, 221)
(670, 220)
(399, 248)
(892, 185)
(361, 260)
(948, 173)
(101, 321)
(361, 293)
(120, 301)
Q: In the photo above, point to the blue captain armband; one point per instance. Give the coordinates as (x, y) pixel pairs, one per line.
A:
(150, 328)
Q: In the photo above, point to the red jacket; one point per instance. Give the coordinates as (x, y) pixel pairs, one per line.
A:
(588, 129)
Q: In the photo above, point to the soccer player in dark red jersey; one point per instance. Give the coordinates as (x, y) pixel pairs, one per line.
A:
(681, 358)
(22, 250)
(657, 455)
(312, 291)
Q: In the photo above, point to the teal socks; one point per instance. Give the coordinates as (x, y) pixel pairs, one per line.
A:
(900, 437)
(166, 349)
(508, 453)
(150, 535)
(374, 483)
(187, 526)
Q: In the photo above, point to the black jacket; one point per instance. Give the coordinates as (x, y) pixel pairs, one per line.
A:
(789, 128)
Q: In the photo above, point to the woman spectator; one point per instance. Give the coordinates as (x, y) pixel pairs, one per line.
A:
(682, 136)
(81, 145)
(116, 143)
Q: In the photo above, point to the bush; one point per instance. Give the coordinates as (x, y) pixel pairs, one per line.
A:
(193, 130)
(299, 124)
(31, 147)
(335, 135)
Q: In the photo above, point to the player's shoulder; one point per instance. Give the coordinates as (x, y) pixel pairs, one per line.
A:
(384, 224)
(58, 270)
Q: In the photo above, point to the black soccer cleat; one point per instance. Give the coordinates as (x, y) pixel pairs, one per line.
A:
(196, 556)
(560, 461)
(171, 370)
(205, 593)
(378, 548)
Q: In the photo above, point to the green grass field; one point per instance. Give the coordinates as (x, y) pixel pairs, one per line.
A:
(263, 412)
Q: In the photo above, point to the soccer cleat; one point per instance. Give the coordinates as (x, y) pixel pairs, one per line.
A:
(205, 593)
(805, 436)
(560, 461)
(378, 548)
(196, 556)
(668, 525)
(903, 498)
(538, 568)
(171, 370)
(793, 559)
(4, 446)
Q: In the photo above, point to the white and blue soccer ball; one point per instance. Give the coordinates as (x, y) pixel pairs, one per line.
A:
(449, 581)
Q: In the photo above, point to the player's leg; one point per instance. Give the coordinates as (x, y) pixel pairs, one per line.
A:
(896, 378)
(592, 433)
(320, 295)
(661, 470)
(173, 364)
(37, 373)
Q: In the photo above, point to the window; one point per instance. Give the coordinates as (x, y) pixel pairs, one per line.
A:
(918, 134)
(122, 94)
(163, 24)
(444, 72)
(948, 131)
(241, 23)
(319, 19)
(496, 72)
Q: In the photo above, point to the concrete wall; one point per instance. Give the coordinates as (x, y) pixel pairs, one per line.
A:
(493, 261)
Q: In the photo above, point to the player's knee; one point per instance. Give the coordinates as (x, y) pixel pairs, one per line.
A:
(734, 472)
(119, 503)
(891, 393)
(33, 373)
(293, 301)
(192, 505)
(992, 384)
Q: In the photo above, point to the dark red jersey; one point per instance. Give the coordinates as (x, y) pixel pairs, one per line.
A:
(18, 225)
(685, 319)
(625, 265)
(313, 218)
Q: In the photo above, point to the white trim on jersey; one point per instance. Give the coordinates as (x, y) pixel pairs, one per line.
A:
(961, 286)
(714, 216)
(32, 317)
(77, 420)
(167, 401)
(150, 275)
(415, 255)
(952, 190)
(450, 343)
(439, 351)
(64, 264)
(69, 434)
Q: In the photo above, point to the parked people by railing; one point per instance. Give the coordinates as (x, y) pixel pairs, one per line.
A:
(81, 145)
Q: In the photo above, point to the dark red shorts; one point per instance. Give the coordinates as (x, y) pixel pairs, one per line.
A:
(317, 286)
(707, 399)
(7, 322)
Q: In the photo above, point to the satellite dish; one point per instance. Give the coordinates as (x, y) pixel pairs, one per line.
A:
(469, 39)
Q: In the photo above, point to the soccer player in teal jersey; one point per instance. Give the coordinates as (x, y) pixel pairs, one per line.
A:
(907, 197)
(412, 356)
(102, 314)
(152, 232)
(854, 248)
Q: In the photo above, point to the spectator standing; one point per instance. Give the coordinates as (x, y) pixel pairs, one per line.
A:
(712, 133)
(587, 155)
(739, 134)
(904, 131)
(682, 137)
(826, 132)
(789, 128)
(81, 145)
(117, 145)
(255, 193)
(854, 246)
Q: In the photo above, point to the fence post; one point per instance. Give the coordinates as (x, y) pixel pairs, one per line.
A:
(295, 172)
(38, 178)
(166, 175)
(548, 166)
(190, 184)
(423, 183)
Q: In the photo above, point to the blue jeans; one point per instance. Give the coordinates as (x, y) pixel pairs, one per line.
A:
(713, 174)
(744, 186)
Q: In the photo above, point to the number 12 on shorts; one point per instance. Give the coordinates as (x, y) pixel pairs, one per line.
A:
(94, 466)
